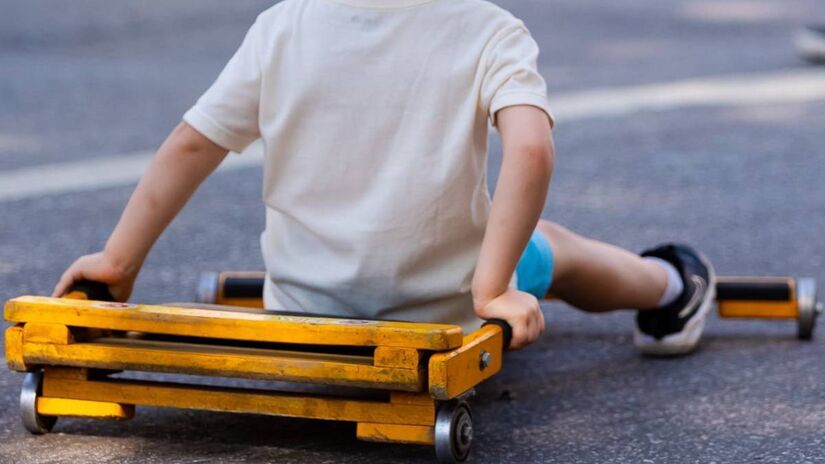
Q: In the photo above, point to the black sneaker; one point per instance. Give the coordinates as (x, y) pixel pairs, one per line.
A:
(675, 329)
(810, 42)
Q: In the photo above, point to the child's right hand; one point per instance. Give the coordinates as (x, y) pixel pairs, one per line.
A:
(521, 310)
(97, 267)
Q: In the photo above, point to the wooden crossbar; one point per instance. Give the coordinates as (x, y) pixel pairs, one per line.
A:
(232, 325)
(223, 361)
(160, 394)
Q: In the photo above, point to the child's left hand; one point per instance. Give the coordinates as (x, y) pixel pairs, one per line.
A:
(521, 310)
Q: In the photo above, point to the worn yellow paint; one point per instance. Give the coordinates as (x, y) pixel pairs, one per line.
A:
(36, 332)
(144, 393)
(759, 309)
(405, 358)
(388, 433)
(14, 348)
(411, 398)
(83, 408)
(455, 372)
(186, 358)
(233, 325)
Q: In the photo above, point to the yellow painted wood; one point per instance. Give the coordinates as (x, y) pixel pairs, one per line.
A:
(252, 303)
(759, 309)
(455, 372)
(36, 332)
(187, 358)
(405, 358)
(83, 408)
(232, 325)
(238, 400)
(397, 397)
(387, 433)
(14, 348)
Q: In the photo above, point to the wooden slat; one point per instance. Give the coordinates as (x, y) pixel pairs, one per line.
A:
(14, 348)
(455, 372)
(160, 394)
(47, 333)
(758, 309)
(389, 433)
(182, 358)
(405, 358)
(83, 408)
(233, 325)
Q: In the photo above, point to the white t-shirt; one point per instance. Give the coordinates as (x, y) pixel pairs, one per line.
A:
(374, 120)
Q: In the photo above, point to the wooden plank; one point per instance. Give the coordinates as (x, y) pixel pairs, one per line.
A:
(455, 372)
(411, 398)
(75, 373)
(389, 433)
(168, 395)
(14, 348)
(187, 358)
(233, 325)
(83, 408)
(405, 358)
(47, 333)
(759, 309)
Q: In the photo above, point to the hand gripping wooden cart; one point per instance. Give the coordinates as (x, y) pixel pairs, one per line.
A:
(71, 349)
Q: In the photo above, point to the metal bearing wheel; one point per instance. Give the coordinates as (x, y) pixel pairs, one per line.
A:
(453, 432)
(208, 288)
(808, 308)
(34, 422)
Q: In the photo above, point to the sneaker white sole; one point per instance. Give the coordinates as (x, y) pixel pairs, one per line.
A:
(683, 342)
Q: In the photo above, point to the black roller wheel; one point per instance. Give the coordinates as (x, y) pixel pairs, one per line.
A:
(32, 421)
(453, 432)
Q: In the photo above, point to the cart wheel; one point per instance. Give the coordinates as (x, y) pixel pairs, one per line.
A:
(453, 432)
(808, 310)
(34, 422)
(208, 288)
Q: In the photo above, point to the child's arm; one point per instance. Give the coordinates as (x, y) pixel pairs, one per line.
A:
(519, 199)
(184, 160)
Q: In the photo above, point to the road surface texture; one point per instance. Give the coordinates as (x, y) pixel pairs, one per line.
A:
(741, 178)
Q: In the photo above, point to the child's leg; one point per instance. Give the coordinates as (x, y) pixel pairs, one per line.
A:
(596, 276)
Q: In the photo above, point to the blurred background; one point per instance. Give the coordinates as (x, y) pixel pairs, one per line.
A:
(691, 120)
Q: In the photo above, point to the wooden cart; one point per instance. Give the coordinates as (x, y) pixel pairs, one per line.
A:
(73, 348)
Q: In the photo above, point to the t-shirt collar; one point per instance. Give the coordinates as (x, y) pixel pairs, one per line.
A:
(383, 4)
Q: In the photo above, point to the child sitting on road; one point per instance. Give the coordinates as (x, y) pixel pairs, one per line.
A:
(374, 120)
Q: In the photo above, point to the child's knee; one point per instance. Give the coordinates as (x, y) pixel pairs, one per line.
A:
(568, 248)
(560, 237)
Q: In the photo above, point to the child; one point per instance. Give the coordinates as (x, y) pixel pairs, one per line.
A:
(374, 120)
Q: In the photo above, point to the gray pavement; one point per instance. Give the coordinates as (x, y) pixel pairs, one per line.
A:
(93, 78)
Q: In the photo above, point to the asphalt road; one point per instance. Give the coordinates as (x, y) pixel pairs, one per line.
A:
(92, 78)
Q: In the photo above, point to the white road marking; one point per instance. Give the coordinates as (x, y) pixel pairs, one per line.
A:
(94, 173)
(797, 86)
(785, 87)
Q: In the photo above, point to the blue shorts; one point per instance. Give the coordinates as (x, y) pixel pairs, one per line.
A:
(534, 272)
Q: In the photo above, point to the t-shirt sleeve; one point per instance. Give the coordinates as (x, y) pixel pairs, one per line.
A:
(227, 113)
(512, 77)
